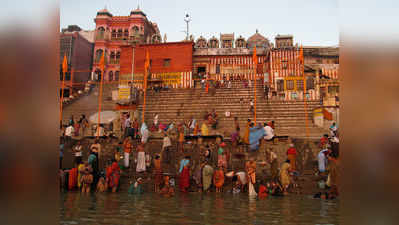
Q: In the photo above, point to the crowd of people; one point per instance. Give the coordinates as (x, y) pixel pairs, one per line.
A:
(99, 173)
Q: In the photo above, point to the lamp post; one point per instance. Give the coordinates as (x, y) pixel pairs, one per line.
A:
(187, 19)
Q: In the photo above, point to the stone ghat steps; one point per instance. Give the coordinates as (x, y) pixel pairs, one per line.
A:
(180, 105)
(221, 109)
(88, 105)
(225, 101)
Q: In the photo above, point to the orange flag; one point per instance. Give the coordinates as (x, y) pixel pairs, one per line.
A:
(147, 60)
(255, 57)
(301, 61)
(102, 63)
(65, 64)
(146, 66)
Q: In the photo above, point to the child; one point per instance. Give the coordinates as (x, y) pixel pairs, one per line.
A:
(86, 181)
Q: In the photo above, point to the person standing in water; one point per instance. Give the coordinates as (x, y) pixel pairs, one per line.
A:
(184, 172)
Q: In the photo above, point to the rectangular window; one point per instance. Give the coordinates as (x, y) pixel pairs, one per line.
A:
(218, 69)
(280, 85)
(290, 85)
(166, 63)
(299, 85)
(332, 89)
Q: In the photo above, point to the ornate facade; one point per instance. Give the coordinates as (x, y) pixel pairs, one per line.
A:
(113, 32)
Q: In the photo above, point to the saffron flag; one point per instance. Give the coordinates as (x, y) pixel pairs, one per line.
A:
(255, 57)
(146, 67)
(65, 64)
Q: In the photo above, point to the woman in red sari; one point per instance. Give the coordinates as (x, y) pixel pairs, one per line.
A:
(113, 175)
(184, 181)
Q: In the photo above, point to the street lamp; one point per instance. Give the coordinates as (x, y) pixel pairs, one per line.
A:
(187, 19)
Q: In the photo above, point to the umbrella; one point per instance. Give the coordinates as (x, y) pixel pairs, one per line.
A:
(105, 117)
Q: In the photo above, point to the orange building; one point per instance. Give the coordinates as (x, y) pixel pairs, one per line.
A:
(170, 63)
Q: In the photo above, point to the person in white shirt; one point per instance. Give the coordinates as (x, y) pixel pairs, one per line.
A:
(251, 104)
(156, 120)
(69, 131)
(227, 114)
(322, 160)
(269, 132)
(77, 150)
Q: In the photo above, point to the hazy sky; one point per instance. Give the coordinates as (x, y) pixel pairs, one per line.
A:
(312, 22)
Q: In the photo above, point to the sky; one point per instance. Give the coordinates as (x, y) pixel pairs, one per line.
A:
(312, 22)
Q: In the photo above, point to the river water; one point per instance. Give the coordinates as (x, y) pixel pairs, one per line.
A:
(195, 208)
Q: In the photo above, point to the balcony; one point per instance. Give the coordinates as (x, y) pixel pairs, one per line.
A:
(114, 61)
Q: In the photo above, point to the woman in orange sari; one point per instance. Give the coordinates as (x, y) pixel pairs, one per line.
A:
(246, 134)
(181, 137)
(218, 179)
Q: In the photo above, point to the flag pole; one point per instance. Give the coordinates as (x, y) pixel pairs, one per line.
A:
(146, 67)
(64, 69)
(102, 62)
(255, 63)
(145, 93)
(304, 93)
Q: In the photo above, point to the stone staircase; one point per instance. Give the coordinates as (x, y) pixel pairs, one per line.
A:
(180, 104)
(88, 104)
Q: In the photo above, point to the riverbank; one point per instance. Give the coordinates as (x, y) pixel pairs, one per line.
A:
(307, 150)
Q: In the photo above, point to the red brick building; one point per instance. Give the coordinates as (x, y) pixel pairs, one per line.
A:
(170, 62)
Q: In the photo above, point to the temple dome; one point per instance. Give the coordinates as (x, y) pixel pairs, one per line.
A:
(258, 40)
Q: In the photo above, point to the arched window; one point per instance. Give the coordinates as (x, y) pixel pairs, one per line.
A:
(135, 30)
(116, 75)
(118, 56)
(112, 58)
(156, 38)
(111, 76)
(100, 33)
(113, 35)
(120, 33)
(99, 53)
(97, 75)
(126, 34)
